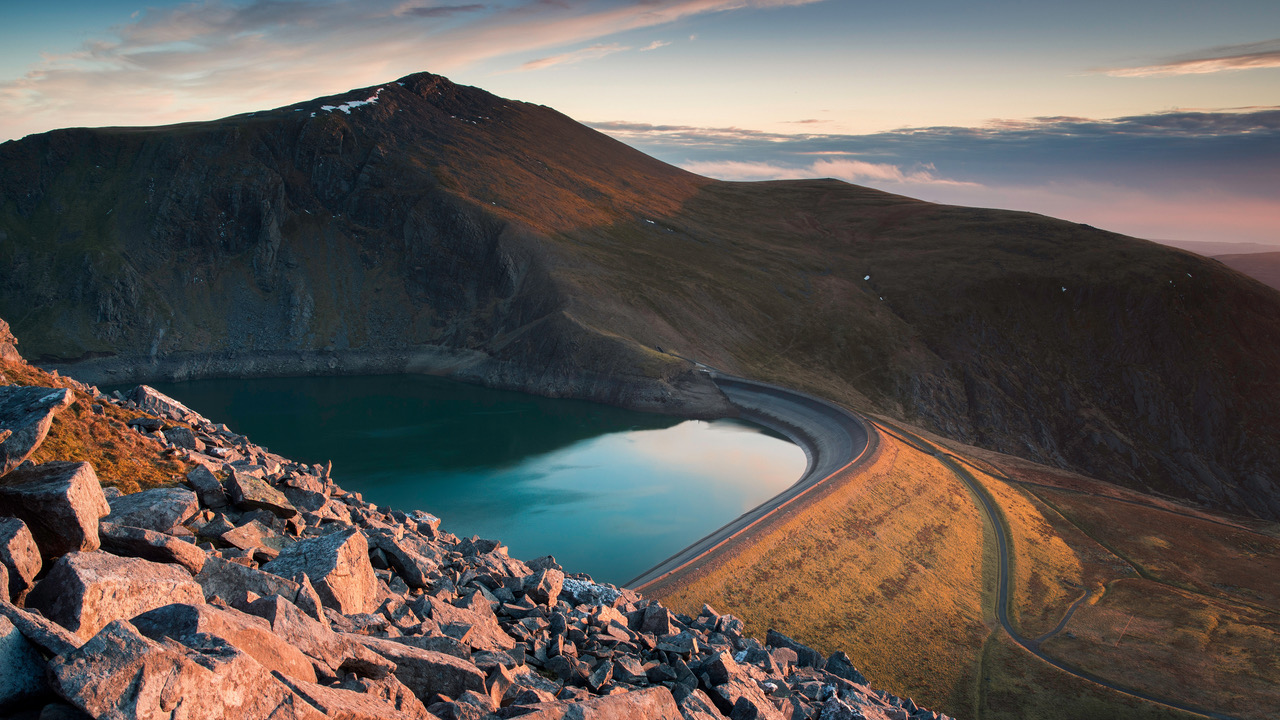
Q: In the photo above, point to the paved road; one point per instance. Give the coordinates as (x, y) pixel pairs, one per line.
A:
(833, 439)
(1002, 596)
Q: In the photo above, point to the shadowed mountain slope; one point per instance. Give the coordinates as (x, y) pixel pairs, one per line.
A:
(442, 229)
(1263, 267)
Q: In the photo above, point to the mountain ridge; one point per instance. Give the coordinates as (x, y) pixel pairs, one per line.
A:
(442, 229)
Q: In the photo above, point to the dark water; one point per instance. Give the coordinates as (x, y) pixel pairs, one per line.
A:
(607, 491)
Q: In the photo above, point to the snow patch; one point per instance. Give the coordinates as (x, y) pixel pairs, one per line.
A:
(346, 107)
(866, 277)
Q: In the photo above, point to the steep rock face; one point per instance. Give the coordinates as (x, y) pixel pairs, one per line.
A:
(306, 240)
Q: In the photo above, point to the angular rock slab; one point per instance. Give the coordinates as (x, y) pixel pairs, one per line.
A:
(21, 669)
(60, 502)
(339, 568)
(157, 403)
(233, 582)
(83, 592)
(162, 509)
(345, 704)
(205, 483)
(50, 637)
(27, 413)
(254, 493)
(426, 672)
(120, 674)
(150, 545)
(318, 641)
(654, 703)
(248, 633)
(19, 556)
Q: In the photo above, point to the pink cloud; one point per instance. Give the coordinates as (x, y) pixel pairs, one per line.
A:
(213, 58)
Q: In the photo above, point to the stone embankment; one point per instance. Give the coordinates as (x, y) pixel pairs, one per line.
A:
(259, 588)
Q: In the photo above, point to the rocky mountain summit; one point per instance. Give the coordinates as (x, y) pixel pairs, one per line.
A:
(256, 587)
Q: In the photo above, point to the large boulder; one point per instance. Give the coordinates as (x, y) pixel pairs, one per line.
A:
(85, 591)
(806, 656)
(475, 625)
(205, 483)
(337, 702)
(151, 545)
(157, 403)
(26, 413)
(60, 502)
(337, 565)
(254, 493)
(318, 641)
(426, 672)
(120, 674)
(50, 637)
(19, 556)
(21, 669)
(161, 509)
(248, 633)
(656, 703)
(234, 583)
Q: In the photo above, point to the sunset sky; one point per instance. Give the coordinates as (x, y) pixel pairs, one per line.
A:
(1158, 119)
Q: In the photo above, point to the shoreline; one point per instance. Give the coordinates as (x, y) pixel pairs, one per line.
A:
(833, 439)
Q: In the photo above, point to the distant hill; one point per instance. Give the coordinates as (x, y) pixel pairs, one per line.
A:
(1264, 267)
(426, 226)
(1215, 249)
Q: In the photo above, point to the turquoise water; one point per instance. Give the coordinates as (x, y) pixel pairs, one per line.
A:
(607, 491)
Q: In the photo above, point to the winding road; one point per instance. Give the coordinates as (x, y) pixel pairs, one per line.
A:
(835, 440)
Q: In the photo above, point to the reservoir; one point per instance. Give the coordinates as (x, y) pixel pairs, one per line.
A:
(607, 491)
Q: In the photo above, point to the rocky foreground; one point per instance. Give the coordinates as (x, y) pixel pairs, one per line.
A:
(260, 589)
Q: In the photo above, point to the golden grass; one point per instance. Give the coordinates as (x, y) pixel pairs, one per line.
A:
(120, 456)
(888, 567)
(1048, 574)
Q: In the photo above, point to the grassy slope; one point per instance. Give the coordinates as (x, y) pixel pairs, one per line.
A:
(887, 566)
(1197, 591)
(119, 455)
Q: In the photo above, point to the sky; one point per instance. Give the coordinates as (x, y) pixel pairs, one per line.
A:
(1159, 119)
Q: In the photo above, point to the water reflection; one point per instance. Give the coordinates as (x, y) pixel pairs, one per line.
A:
(607, 491)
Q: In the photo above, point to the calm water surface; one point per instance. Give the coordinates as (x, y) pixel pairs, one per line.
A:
(607, 491)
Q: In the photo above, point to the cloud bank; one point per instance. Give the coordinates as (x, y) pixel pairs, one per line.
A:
(1206, 175)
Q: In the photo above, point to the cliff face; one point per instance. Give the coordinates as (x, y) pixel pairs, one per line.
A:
(428, 227)
(304, 240)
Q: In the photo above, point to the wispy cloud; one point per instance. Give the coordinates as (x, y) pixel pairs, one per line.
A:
(593, 52)
(1249, 56)
(441, 11)
(853, 171)
(210, 58)
(655, 45)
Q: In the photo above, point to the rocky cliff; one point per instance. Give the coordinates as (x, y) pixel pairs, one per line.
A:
(428, 227)
(258, 588)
